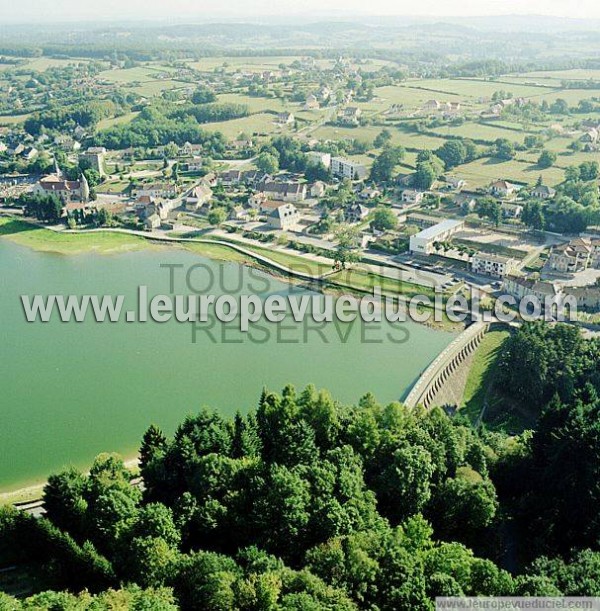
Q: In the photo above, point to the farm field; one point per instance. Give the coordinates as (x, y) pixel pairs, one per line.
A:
(571, 96)
(41, 64)
(254, 104)
(142, 79)
(477, 131)
(471, 88)
(574, 74)
(261, 123)
(153, 88)
(13, 119)
(121, 120)
(363, 134)
(131, 75)
(420, 141)
(409, 95)
(251, 64)
(565, 157)
(482, 172)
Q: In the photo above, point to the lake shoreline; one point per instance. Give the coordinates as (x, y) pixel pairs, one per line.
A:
(30, 489)
(34, 492)
(117, 241)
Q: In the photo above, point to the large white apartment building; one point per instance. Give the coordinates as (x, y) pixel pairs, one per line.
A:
(345, 168)
(493, 265)
(422, 243)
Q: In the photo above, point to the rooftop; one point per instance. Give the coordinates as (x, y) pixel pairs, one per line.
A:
(435, 230)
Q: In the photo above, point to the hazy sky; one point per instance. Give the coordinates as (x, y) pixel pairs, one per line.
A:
(62, 10)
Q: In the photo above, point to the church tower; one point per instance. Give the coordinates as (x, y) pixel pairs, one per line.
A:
(85, 188)
(57, 171)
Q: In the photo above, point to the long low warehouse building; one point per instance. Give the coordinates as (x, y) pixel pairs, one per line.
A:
(422, 243)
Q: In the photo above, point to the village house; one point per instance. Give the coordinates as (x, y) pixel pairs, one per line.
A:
(194, 164)
(67, 190)
(28, 153)
(158, 189)
(520, 287)
(285, 118)
(210, 179)
(345, 168)
(369, 193)
(592, 136)
(587, 297)
(15, 149)
(198, 196)
(575, 256)
(466, 201)
(503, 188)
(142, 204)
(355, 213)
(280, 215)
(456, 183)
(324, 93)
(410, 196)
(95, 156)
(164, 208)
(256, 200)
(152, 222)
(311, 102)
(350, 115)
(239, 213)
(510, 210)
(254, 178)
(318, 189)
(317, 157)
(284, 191)
(242, 144)
(432, 105)
(79, 132)
(188, 149)
(543, 192)
(451, 109)
(67, 143)
(496, 266)
(230, 178)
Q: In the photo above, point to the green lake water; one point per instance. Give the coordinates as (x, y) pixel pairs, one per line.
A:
(72, 390)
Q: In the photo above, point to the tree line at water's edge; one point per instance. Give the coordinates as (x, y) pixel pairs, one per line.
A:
(307, 504)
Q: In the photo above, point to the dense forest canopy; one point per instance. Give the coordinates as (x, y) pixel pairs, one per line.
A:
(305, 503)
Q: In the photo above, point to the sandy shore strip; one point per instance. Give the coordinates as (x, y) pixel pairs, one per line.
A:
(34, 492)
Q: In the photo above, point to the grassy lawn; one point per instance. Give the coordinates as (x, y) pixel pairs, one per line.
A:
(261, 123)
(254, 104)
(481, 372)
(252, 64)
(14, 119)
(482, 172)
(111, 122)
(41, 64)
(46, 240)
(410, 95)
(365, 281)
(154, 88)
(113, 186)
(470, 88)
(495, 249)
(131, 75)
(478, 131)
(294, 262)
(216, 251)
(574, 74)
